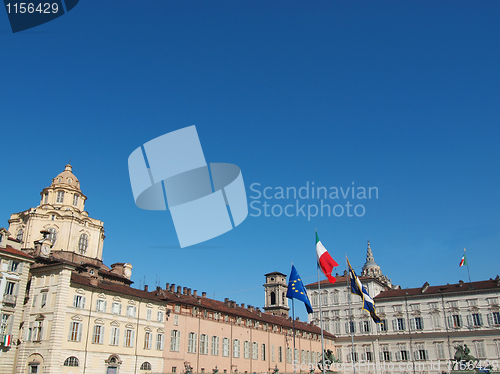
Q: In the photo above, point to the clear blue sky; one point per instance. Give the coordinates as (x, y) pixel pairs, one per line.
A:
(399, 95)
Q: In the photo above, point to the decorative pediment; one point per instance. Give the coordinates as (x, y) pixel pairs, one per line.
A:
(117, 298)
(161, 307)
(161, 331)
(101, 296)
(148, 329)
(132, 302)
(77, 318)
(115, 324)
(129, 326)
(80, 291)
(149, 305)
(40, 317)
(99, 321)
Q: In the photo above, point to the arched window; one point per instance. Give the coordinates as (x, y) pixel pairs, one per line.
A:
(273, 298)
(20, 234)
(71, 361)
(75, 199)
(146, 366)
(52, 235)
(83, 244)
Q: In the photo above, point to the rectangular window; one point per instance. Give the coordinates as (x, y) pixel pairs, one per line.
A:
(495, 318)
(192, 340)
(400, 324)
(289, 355)
(421, 353)
(79, 301)
(419, 323)
(255, 351)
(159, 316)
(98, 334)
(34, 301)
(14, 266)
(433, 306)
(436, 320)
(44, 300)
(115, 336)
(480, 351)
(272, 353)
(116, 308)
(100, 306)
(214, 349)
(159, 342)
(366, 326)
(75, 332)
(10, 288)
(148, 314)
(225, 347)
(175, 340)
(75, 199)
(129, 338)
(38, 331)
(148, 340)
(383, 325)
(246, 349)
(236, 348)
(477, 319)
(131, 309)
(280, 354)
(60, 197)
(440, 351)
(176, 320)
(456, 321)
(385, 354)
(263, 349)
(203, 344)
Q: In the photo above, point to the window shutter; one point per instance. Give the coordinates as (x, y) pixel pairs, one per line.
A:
(490, 319)
(460, 319)
(480, 319)
(20, 268)
(404, 324)
(79, 338)
(347, 328)
(119, 308)
(132, 338)
(74, 301)
(9, 265)
(398, 356)
(469, 320)
(426, 354)
(394, 325)
(363, 356)
(83, 302)
(413, 324)
(450, 321)
(416, 356)
(105, 306)
(16, 289)
(70, 329)
(361, 326)
(422, 323)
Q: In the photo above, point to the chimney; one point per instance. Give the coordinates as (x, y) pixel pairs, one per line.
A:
(172, 287)
(189, 291)
(425, 287)
(179, 289)
(184, 290)
(242, 305)
(195, 293)
(460, 283)
(226, 301)
(203, 294)
(166, 286)
(146, 287)
(250, 308)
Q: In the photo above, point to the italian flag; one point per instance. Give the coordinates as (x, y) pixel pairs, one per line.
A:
(7, 340)
(463, 261)
(325, 261)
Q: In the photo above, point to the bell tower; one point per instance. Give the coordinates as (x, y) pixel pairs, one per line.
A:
(275, 289)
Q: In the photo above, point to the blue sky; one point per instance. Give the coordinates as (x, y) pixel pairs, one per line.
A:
(398, 95)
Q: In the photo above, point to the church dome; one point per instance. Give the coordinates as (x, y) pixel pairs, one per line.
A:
(67, 178)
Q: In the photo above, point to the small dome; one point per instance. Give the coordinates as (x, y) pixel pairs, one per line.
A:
(67, 177)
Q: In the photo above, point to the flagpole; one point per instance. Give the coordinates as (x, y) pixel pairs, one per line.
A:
(321, 323)
(293, 327)
(468, 272)
(350, 312)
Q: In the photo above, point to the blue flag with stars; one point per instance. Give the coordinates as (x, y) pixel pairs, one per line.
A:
(296, 290)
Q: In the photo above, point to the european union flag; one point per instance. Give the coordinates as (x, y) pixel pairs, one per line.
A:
(357, 288)
(296, 290)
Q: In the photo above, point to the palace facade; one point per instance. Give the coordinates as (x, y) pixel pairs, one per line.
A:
(420, 326)
(64, 311)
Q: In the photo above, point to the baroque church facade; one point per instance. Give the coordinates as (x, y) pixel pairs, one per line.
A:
(64, 311)
(420, 326)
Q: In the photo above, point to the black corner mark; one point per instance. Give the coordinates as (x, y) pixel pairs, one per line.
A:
(26, 14)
